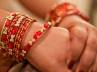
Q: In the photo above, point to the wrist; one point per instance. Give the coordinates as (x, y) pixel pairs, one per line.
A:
(72, 20)
(28, 37)
(65, 10)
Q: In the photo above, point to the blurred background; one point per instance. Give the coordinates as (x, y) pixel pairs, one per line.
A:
(89, 7)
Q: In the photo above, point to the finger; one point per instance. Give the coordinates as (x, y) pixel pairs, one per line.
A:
(94, 66)
(89, 54)
(62, 69)
(50, 51)
(78, 36)
(78, 40)
(29, 68)
(78, 33)
(16, 68)
(67, 70)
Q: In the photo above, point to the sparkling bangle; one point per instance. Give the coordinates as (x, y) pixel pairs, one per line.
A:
(12, 33)
(57, 14)
(24, 27)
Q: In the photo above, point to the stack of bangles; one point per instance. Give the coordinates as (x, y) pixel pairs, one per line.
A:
(16, 26)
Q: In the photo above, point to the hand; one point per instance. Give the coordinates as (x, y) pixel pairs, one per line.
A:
(83, 43)
(6, 63)
(51, 53)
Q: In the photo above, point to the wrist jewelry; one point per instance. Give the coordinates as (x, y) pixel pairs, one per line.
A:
(12, 33)
(15, 27)
(57, 14)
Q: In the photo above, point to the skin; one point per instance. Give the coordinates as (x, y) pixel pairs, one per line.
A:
(76, 36)
(50, 61)
(5, 61)
(84, 35)
(83, 43)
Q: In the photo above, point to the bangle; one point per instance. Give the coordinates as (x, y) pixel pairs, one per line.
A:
(24, 27)
(13, 32)
(5, 31)
(57, 14)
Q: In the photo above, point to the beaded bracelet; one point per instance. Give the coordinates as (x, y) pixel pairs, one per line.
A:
(15, 24)
(37, 35)
(57, 14)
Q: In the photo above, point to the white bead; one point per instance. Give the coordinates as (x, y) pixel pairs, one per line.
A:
(19, 21)
(49, 23)
(22, 54)
(2, 44)
(24, 51)
(42, 30)
(10, 51)
(5, 30)
(12, 38)
(10, 17)
(30, 42)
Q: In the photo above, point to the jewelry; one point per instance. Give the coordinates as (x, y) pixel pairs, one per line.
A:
(57, 14)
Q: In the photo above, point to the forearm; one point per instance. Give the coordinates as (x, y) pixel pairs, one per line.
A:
(42, 7)
(5, 61)
(2, 15)
(39, 7)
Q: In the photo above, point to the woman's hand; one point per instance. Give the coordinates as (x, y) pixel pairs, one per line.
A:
(6, 63)
(83, 43)
(51, 53)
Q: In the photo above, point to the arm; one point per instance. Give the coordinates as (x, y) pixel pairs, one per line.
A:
(82, 32)
(45, 61)
(42, 7)
(5, 62)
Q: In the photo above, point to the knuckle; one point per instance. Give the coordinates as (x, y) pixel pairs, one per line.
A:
(80, 32)
(61, 31)
(92, 42)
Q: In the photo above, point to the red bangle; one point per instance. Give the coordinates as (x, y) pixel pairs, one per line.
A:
(57, 14)
(12, 33)
(5, 32)
(24, 27)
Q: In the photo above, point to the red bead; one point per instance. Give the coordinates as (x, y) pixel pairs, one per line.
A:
(4, 38)
(8, 22)
(46, 25)
(37, 35)
(14, 30)
(27, 47)
(10, 45)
